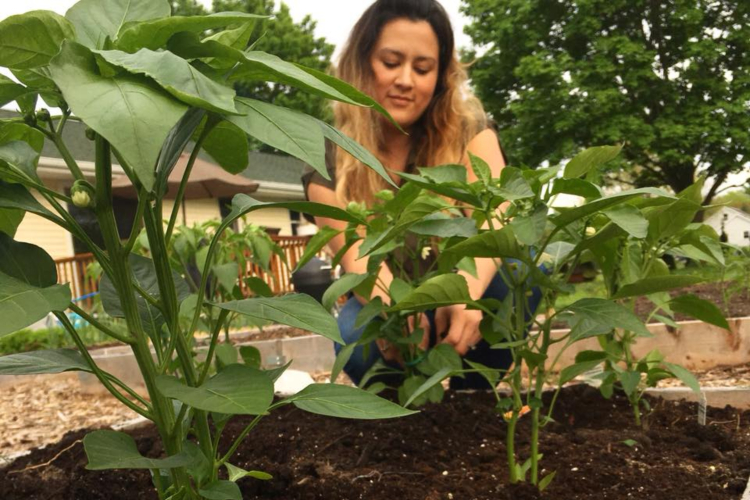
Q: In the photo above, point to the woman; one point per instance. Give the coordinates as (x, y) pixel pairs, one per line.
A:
(401, 52)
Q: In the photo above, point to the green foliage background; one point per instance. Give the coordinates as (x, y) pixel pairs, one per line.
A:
(293, 42)
(670, 79)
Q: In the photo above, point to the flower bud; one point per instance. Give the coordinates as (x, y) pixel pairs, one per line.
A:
(43, 115)
(385, 195)
(90, 134)
(82, 194)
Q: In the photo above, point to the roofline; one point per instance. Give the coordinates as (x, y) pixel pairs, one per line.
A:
(276, 190)
(56, 167)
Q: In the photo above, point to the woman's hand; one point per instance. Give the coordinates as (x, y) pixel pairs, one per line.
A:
(390, 351)
(462, 327)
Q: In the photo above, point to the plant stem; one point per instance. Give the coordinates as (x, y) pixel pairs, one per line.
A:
(237, 441)
(103, 378)
(99, 326)
(183, 184)
(212, 346)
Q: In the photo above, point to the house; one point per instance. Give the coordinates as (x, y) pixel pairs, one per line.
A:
(735, 223)
(278, 179)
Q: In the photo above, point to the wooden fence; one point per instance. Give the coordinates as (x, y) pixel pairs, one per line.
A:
(73, 270)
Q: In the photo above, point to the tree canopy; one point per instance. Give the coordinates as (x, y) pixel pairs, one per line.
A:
(293, 42)
(670, 79)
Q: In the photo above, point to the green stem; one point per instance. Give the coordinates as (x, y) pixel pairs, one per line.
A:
(99, 326)
(239, 440)
(69, 159)
(137, 222)
(185, 178)
(170, 303)
(212, 346)
(103, 378)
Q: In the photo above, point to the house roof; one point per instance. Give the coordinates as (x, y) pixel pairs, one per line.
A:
(731, 211)
(276, 170)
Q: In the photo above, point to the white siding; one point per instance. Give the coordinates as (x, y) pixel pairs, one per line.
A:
(55, 240)
(272, 218)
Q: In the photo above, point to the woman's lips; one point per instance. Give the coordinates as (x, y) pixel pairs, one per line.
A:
(399, 100)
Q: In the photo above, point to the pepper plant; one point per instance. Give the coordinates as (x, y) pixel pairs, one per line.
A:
(634, 265)
(146, 84)
(536, 245)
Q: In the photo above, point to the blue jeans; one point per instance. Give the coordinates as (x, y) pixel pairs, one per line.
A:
(500, 359)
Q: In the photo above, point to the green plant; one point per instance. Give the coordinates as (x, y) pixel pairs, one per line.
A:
(633, 265)
(535, 244)
(145, 84)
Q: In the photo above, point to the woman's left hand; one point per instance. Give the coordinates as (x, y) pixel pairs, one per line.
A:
(462, 327)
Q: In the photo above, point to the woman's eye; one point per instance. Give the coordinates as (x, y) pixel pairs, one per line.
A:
(390, 64)
(422, 71)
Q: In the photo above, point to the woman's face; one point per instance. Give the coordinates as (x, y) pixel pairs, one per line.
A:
(405, 67)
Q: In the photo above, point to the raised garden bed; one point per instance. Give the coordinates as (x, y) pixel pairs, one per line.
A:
(453, 451)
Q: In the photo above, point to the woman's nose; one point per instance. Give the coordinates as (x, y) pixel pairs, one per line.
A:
(405, 77)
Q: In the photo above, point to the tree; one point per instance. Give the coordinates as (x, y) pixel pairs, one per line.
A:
(669, 78)
(293, 42)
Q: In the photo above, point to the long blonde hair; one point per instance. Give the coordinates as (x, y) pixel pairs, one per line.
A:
(452, 119)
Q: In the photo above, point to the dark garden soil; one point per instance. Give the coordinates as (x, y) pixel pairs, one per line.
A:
(452, 451)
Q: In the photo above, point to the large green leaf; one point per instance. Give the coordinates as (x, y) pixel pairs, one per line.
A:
(345, 402)
(227, 145)
(684, 375)
(144, 273)
(10, 220)
(9, 90)
(656, 284)
(97, 20)
(17, 197)
(176, 76)
(263, 66)
(107, 449)
(27, 294)
(155, 34)
(699, 309)
(628, 218)
(26, 262)
(290, 131)
(577, 187)
(15, 131)
(128, 111)
(236, 390)
(530, 228)
(30, 40)
(499, 244)
(593, 317)
(318, 241)
(243, 204)
(444, 226)
(342, 286)
(668, 220)
(18, 159)
(40, 362)
(297, 310)
(590, 159)
(443, 290)
(355, 149)
(600, 204)
(221, 490)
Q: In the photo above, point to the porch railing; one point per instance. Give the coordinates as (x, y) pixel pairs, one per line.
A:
(73, 270)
